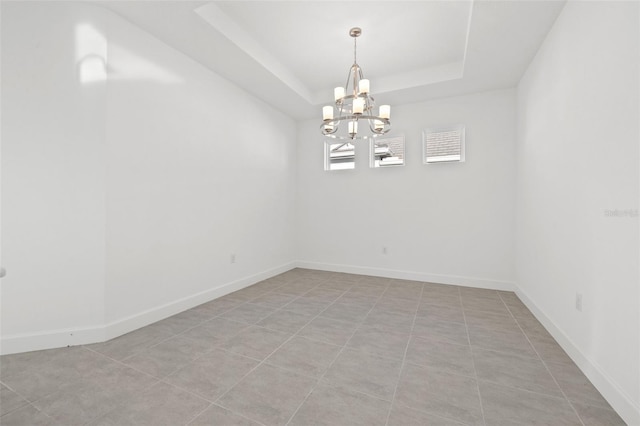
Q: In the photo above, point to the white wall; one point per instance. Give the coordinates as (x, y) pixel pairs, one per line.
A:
(449, 223)
(197, 170)
(577, 158)
(126, 188)
(53, 178)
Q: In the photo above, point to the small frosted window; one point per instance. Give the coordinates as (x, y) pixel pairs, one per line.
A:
(443, 145)
(339, 156)
(387, 152)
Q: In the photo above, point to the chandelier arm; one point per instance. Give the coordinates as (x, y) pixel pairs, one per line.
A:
(349, 138)
(385, 129)
(356, 117)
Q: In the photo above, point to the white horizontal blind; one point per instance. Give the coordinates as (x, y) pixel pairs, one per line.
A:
(387, 152)
(339, 156)
(444, 144)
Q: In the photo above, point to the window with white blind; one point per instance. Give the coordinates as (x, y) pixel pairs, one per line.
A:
(339, 156)
(387, 152)
(443, 145)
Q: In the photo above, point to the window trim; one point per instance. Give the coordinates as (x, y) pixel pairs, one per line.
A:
(440, 129)
(327, 155)
(375, 141)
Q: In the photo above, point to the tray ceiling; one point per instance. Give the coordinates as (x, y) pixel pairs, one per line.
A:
(292, 53)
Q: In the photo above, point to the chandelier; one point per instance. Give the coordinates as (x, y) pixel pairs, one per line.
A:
(353, 115)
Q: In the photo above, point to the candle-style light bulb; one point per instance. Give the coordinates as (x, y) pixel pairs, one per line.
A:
(353, 128)
(363, 86)
(385, 111)
(358, 105)
(327, 112)
(338, 93)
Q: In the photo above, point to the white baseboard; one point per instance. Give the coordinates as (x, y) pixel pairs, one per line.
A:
(624, 405)
(410, 275)
(50, 339)
(82, 336)
(134, 322)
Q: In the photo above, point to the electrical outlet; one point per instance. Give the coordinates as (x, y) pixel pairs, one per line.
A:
(233, 258)
(384, 250)
(579, 301)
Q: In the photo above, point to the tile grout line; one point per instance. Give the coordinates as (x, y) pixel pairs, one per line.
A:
(171, 335)
(156, 380)
(264, 361)
(218, 316)
(35, 408)
(214, 404)
(27, 402)
(543, 361)
(280, 346)
(163, 379)
(473, 361)
(305, 374)
(83, 347)
(199, 413)
(360, 324)
(404, 356)
(32, 402)
(319, 380)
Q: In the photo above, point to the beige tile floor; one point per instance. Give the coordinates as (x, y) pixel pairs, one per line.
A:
(315, 348)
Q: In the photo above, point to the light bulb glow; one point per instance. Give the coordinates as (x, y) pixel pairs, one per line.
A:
(363, 86)
(385, 111)
(327, 113)
(353, 127)
(358, 105)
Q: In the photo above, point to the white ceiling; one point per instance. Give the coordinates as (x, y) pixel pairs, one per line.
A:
(315, 46)
(292, 54)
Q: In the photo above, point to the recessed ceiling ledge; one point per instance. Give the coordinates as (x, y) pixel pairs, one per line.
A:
(406, 80)
(220, 21)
